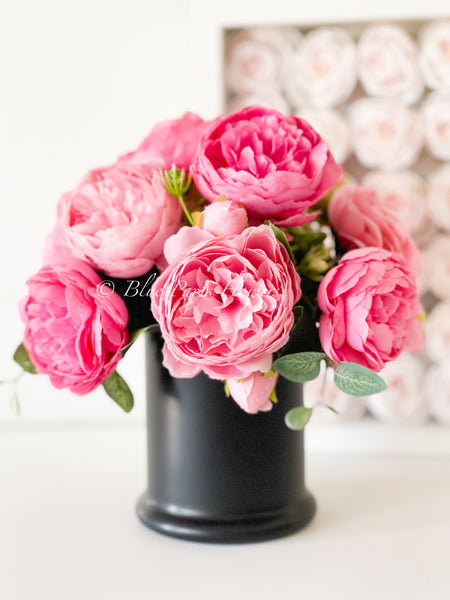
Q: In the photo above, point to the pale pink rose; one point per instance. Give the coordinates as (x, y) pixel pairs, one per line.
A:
(436, 266)
(332, 127)
(252, 393)
(273, 165)
(224, 218)
(438, 182)
(437, 392)
(434, 42)
(73, 332)
(169, 142)
(256, 58)
(370, 309)
(388, 64)
(360, 219)
(403, 401)
(437, 332)
(322, 71)
(436, 112)
(404, 193)
(225, 305)
(385, 135)
(118, 218)
(268, 97)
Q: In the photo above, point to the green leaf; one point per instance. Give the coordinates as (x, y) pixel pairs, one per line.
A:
(299, 367)
(297, 418)
(117, 389)
(135, 334)
(298, 313)
(357, 380)
(281, 237)
(22, 358)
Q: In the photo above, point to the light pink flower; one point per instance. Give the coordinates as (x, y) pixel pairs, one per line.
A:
(438, 181)
(436, 266)
(73, 333)
(388, 65)
(224, 217)
(252, 393)
(268, 97)
(370, 309)
(225, 304)
(273, 165)
(437, 392)
(169, 142)
(434, 42)
(332, 127)
(118, 218)
(360, 219)
(436, 112)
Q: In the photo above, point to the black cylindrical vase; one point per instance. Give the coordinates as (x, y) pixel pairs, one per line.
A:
(216, 473)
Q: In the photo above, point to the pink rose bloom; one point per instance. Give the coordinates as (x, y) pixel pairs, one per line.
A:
(224, 217)
(370, 309)
(252, 393)
(169, 142)
(225, 304)
(361, 219)
(73, 333)
(118, 218)
(273, 165)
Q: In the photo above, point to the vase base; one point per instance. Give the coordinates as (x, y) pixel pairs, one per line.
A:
(229, 530)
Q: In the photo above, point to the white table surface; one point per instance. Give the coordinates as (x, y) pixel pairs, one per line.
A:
(68, 529)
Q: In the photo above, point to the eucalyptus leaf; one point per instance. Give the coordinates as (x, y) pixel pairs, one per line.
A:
(299, 367)
(135, 334)
(117, 389)
(22, 358)
(297, 418)
(357, 380)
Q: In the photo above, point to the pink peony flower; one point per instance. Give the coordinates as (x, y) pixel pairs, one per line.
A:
(361, 219)
(370, 309)
(118, 218)
(225, 304)
(169, 142)
(73, 333)
(252, 393)
(224, 218)
(275, 166)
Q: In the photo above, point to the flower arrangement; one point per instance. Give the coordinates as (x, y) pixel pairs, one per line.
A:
(238, 241)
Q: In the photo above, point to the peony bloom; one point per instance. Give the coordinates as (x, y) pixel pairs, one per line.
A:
(360, 219)
(370, 309)
(224, 218)
(169, 142)
(436, 265)
(388, 65)
(435, 53)
(331, 125)
(118, 218)
(252, 393)
(438, 182)
(275, 166)
(436, 113)
(224, 304)
(73, 333)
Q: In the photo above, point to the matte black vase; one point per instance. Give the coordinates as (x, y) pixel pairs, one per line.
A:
(216, 473)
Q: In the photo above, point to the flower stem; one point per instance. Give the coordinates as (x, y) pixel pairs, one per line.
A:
(187, 214)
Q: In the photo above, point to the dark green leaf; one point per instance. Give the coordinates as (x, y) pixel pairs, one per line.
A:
(297, 418)
(299, 367)
(357, 380)
(117, 389)
(22, 358)
(135, 334)
(281, 237)
(298, 313)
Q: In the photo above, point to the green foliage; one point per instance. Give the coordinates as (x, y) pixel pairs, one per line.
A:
(357, 380)
(298, 417)
(117, 389)
(135, 334)
(281, 237)
(22, 358)
(299, 367)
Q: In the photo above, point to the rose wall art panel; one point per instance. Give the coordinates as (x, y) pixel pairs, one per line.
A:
(379, 93)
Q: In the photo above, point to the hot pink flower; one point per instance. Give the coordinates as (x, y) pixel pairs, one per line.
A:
(225, 304)
(118, 218)
(370, 309)
(169, 142)
(73, 333)
(276, 166)
(224, 217)
(252, 393)
(361, 219)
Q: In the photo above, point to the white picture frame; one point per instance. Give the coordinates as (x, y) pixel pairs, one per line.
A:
(208, 25)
